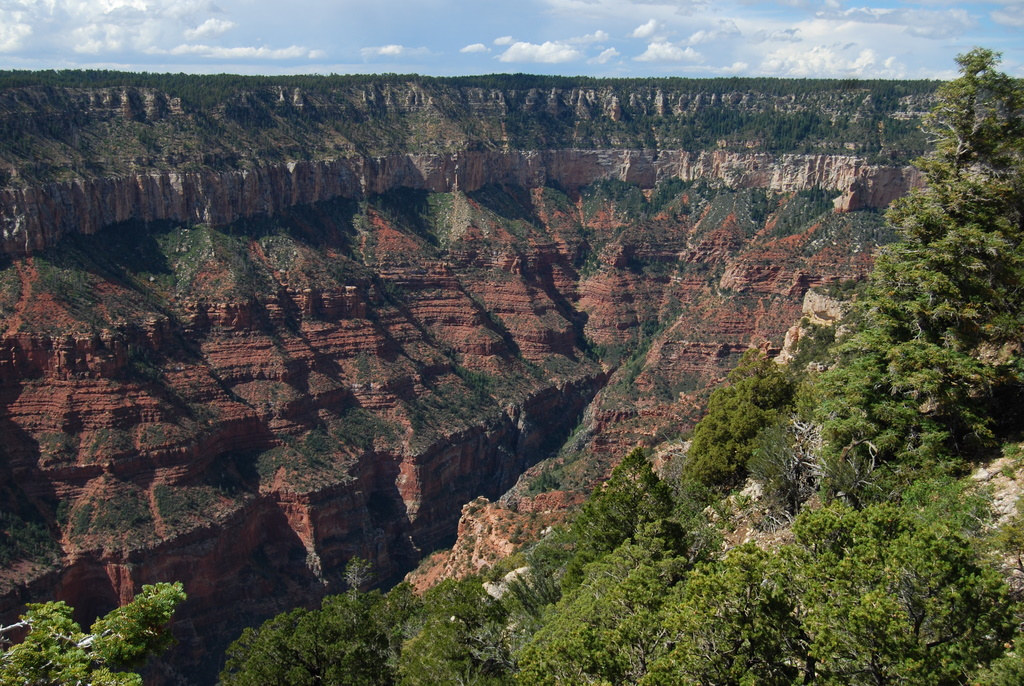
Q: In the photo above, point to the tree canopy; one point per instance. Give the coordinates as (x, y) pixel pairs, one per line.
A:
(57, 651)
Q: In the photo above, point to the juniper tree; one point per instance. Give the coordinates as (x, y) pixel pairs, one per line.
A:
(57, 651)
(935, 359)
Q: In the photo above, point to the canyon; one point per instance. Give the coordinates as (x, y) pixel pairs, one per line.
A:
(241, 375)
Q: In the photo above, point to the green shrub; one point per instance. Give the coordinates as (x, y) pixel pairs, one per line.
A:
(759, 393)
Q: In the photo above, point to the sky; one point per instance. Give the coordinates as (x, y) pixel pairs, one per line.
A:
(629, 38)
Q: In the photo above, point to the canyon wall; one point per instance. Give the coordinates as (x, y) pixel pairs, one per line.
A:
(243, 341)
(246, 407)
(274, 548)
(36, 217)
(246, 413)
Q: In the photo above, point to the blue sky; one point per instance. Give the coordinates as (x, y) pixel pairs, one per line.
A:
(794, 38)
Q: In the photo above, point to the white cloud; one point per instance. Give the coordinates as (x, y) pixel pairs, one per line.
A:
(777, 36)
(627, 7)
(646, 30)
(210, 28)
(547, 53)
(596, 37)
(667, 52)
(291, 52)
(118, 29)
(702, 36)
(383, 51)
(109, 6)
(604, 57)
(726, 29)
(554, 52)
(393, 51)
(12, 33)
(1013, 15)
(862, 14)
(833, 61)
(475, 47)
(916, 22)
(684, 8)
(937, 30)
(93, 39)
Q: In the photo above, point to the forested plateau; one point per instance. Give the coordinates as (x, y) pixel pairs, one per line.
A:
(257, 328)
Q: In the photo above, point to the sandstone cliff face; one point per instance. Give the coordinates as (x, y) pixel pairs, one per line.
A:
(58, 128)
(246, 413)
(245, 407)
(819, 310)
(702, 281)
(36, 217)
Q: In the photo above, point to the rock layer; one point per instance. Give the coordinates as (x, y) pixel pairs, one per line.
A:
(247, 407)
(34, 218)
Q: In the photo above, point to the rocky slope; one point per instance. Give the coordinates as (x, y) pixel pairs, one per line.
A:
(242, 372)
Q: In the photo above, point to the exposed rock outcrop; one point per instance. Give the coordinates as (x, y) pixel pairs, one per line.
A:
(818, 309)
(34, 218)
(489, 532)
(258, 405)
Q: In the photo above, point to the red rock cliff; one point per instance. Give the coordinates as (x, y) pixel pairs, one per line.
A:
(37, 217)
(246, 407)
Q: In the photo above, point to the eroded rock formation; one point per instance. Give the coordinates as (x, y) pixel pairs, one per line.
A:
(37, 217)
